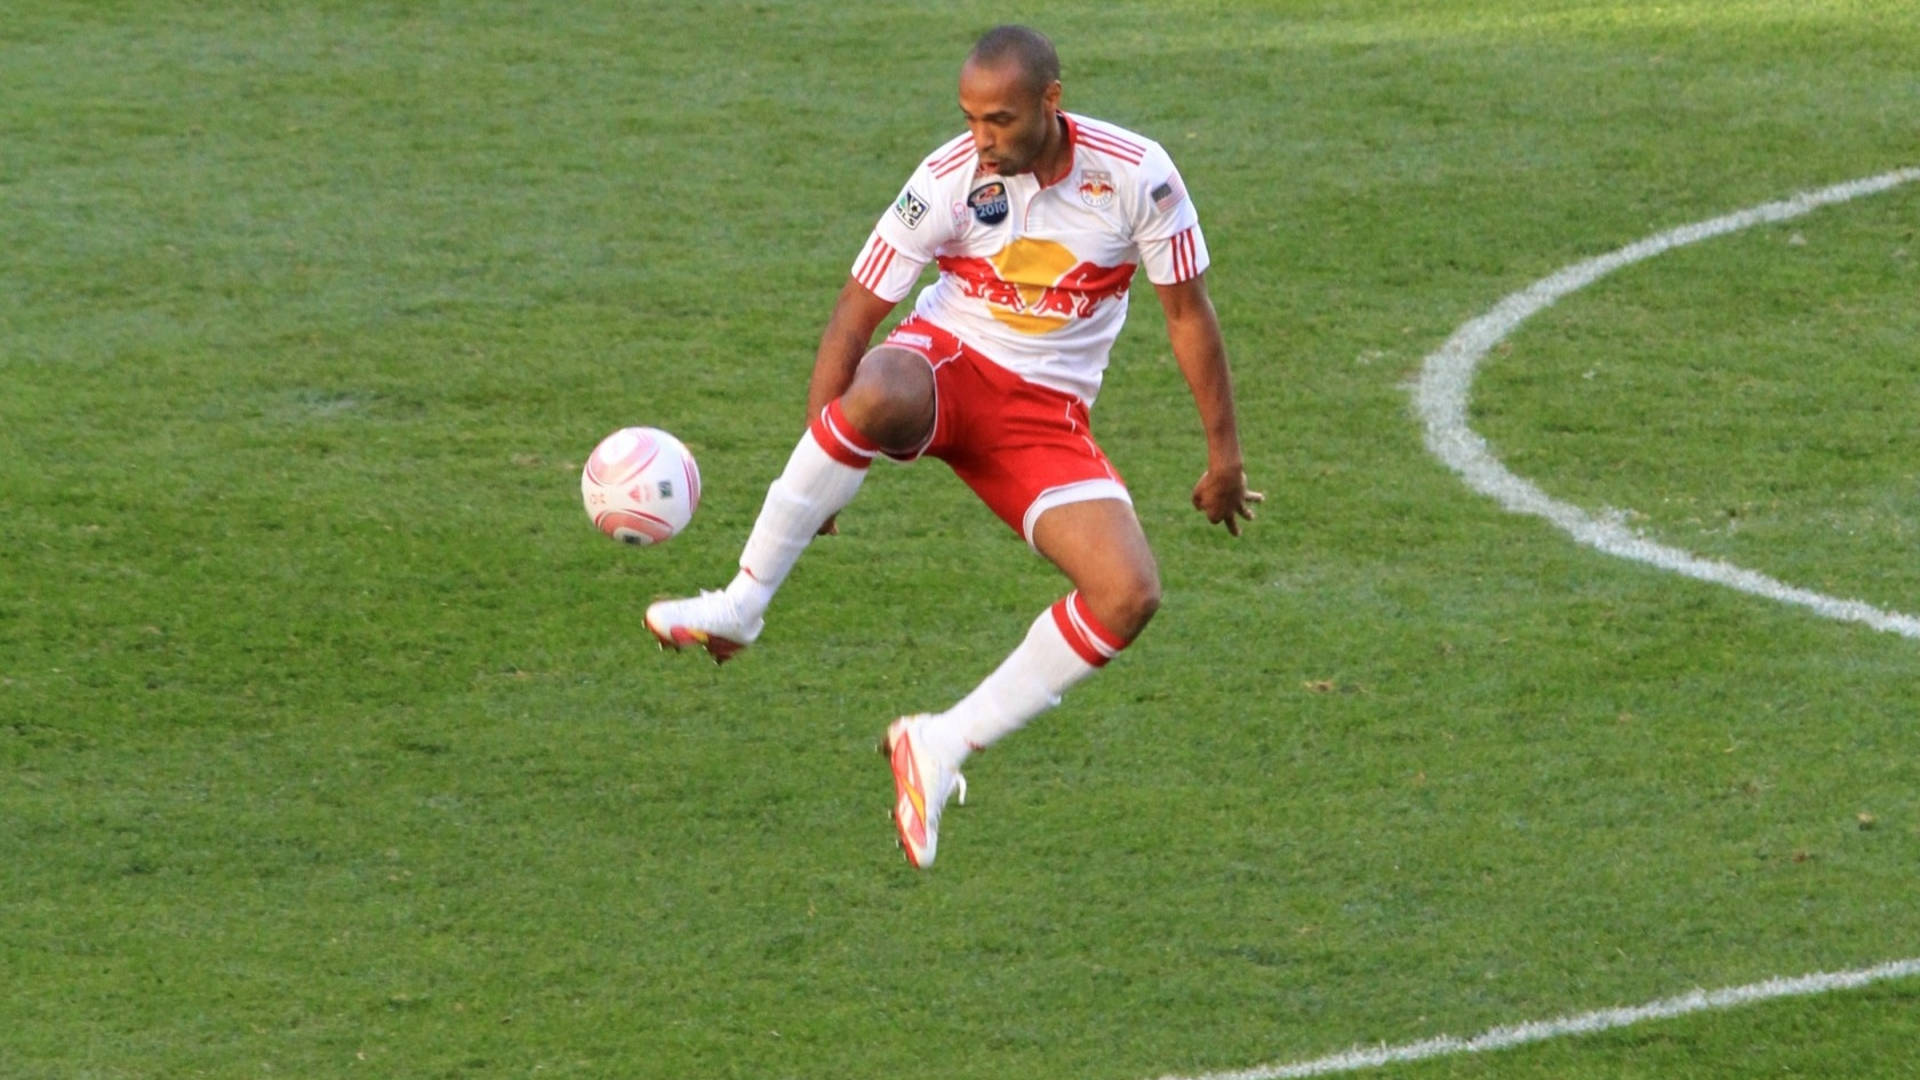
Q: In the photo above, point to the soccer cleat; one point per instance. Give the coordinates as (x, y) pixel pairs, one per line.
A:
(708, 620)
(922, 783)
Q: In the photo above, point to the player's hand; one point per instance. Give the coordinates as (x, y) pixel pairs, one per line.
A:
(1222, 495)
(829, 527)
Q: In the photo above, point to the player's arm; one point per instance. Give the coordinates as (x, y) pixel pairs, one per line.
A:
(903, 241)
(1194, 332)
(856, 315)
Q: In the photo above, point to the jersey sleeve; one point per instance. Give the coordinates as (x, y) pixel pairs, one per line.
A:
(1167, 228)
(904, 241)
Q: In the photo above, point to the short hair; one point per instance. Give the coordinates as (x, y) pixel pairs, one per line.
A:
(1022, 45)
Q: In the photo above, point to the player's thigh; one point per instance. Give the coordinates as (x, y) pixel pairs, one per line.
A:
(892, 399)
(1099, 545)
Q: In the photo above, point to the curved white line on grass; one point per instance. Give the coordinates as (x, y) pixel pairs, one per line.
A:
(1501, 1038)
(1441, 396)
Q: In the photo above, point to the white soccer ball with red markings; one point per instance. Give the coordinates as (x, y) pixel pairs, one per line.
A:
(641, 486)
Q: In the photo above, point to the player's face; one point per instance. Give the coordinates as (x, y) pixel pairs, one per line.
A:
(1011, 122)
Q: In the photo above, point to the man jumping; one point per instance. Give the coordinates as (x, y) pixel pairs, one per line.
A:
(1037, 219)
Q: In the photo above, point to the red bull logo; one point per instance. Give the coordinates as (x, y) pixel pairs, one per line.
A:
(1037, 286)
(1096, 189)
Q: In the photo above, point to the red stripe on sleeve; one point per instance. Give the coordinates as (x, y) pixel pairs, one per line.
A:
(1114, 137)
(873, 269)
(866, 258)
(1107, 144)
(1186, 263)
(880, 272)
(953, 159)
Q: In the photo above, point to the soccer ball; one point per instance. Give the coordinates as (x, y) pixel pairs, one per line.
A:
(640, 485)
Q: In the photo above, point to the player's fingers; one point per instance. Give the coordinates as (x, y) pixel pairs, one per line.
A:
(1254, 496)
(1233, 527)
(1246, 511)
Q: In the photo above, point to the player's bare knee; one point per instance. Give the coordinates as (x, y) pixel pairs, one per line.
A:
(1143, 601)
(891, 398)
(1128, 603)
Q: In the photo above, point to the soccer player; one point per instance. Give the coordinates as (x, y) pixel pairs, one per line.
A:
(1037, 219)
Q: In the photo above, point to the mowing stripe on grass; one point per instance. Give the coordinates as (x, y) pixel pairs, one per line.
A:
(1445, 378)
(1501, 1038)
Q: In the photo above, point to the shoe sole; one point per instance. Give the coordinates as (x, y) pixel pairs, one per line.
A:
(681, 637)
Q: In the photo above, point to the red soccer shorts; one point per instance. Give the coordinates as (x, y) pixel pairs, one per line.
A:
(1022, 447)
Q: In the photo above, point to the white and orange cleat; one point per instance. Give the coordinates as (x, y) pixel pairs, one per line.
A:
(708, 620)
(922, 783)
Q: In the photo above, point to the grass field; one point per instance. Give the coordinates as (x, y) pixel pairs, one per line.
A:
(331, 745)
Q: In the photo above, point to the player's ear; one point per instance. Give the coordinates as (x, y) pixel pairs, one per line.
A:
(1051, 95)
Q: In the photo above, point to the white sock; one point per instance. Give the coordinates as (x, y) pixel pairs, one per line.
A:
(820, 479)
(1064, 645)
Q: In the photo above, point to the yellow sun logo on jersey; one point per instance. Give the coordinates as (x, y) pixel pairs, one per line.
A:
(1037, 286)
(1032, 267)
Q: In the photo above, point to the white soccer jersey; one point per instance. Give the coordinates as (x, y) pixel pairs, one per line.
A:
(1035, 277)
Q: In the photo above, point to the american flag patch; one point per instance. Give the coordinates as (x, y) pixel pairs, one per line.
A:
(1168, 195)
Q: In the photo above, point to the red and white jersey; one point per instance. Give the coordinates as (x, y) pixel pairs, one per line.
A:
(1035, 276)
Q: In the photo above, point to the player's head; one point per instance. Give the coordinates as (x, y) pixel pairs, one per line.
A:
(1010, 95)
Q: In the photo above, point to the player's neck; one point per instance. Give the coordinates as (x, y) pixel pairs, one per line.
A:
(1057, 158)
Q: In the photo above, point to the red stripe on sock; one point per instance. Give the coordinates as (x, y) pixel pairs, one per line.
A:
(1075, 640)
(825, 440)
(832, 442)
(1112, 642)
(842, 442)
(837, 416)
(1090, 640)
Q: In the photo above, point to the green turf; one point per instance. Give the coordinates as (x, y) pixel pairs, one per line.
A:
(330, 745)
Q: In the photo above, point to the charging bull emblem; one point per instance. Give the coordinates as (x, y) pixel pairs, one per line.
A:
(1037, 286)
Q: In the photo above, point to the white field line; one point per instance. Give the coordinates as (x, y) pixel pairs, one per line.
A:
(1501, 1038)
(1445, 378)
(1441, 397)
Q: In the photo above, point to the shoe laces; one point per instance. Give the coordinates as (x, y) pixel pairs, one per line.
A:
(721, 605)
(956, 786)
